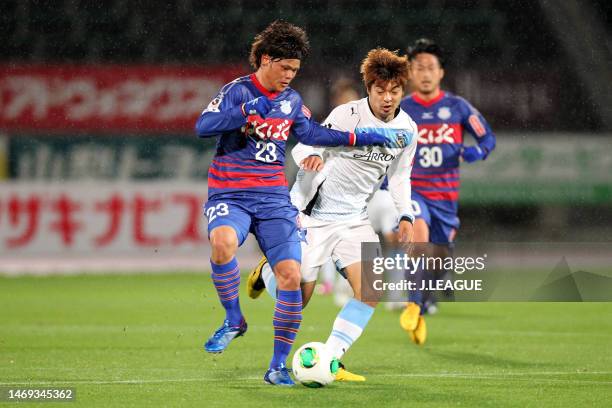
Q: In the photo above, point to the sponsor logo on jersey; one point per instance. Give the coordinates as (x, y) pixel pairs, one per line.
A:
(444, 113)
(371, 155)
(427, 115)
(285, 107)
(269, 128)
(440, 133)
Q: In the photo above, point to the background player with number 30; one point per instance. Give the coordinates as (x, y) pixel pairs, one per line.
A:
(442, 119)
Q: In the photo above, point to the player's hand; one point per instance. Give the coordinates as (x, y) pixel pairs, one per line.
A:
(395, 140)
(312, 163)
(472, 153)
(258, 106)
(405, 233)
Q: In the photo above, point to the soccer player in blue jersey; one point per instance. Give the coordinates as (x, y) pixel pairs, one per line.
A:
(252, 117)
(442, 118)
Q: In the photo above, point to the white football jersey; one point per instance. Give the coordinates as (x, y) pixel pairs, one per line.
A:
(351, 175)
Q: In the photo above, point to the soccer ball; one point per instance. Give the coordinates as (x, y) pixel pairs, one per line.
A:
(314, 366)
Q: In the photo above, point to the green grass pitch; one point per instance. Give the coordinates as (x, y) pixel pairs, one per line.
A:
(136, 340)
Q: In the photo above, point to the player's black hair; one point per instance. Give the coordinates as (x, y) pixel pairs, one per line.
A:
(426, 46)
(280, 40)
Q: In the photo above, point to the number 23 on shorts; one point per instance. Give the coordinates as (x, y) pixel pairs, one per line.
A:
(215, 211)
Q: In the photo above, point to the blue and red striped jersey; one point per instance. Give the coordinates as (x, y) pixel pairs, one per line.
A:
(441, 123)
(250, 152)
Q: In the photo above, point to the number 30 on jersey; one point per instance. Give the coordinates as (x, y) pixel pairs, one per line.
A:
(430, 156)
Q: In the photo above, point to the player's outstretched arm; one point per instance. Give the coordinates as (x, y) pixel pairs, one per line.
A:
(311, 133)
(220, 117)
(478, 127)
(316, 135)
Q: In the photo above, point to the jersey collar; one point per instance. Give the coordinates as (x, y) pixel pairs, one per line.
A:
(260, 88)
(425, 103)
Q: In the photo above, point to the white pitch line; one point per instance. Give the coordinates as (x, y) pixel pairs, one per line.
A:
(103, 382)
(533, 333)
(498, 374)
(466, 376)
(507, 377)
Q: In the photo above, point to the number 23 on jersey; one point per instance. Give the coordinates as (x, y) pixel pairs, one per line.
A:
(266, 152)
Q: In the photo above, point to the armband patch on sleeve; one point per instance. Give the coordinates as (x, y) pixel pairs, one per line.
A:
(477, 126)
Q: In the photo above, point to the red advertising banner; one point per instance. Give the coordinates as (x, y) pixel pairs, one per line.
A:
(107, 98)
(105, 218)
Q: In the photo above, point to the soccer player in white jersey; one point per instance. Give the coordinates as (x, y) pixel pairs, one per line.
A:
(334, 201)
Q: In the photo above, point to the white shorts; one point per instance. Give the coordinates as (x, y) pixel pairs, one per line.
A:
(382, 212)
(338, 240)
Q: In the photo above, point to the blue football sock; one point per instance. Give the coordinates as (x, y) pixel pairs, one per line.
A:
(286, 322)
(416, 295)
(227, 282)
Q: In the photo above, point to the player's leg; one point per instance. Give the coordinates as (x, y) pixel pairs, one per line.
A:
(342, 289)
(443, 231)
(383, 217)
(421, 236)
(277, 234)
(263, 277)
(356, 313)
(316, 250)
(225, 272)
(411, 319)
(268, 279)
(353, 317)
(228, 226)
(350, 322)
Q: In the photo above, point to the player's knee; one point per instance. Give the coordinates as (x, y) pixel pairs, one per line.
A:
(288, 275)
(224, 244)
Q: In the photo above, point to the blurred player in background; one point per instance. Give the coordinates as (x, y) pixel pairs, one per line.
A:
(343, 90)
(252, 117)
(441, 118)
(334, 203)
